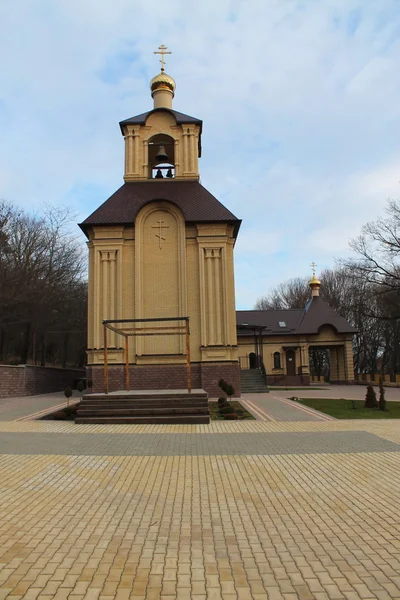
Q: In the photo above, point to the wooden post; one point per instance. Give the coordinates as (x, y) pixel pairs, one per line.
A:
(126, 362)
(105, 359)
(189, 375)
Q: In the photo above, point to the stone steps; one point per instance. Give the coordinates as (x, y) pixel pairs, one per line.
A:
(142, 412)
(148, 420)
(120, 405)
(252, 382)
(145, 407)
(147, 395)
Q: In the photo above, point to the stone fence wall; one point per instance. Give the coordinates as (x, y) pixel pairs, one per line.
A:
(366, 378)
(26, 380)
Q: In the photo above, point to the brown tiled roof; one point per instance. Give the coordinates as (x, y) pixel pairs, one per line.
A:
(141, 119)
(195, 202)
(297, 321)
(180, 119)
(269, 320)
(318, 313)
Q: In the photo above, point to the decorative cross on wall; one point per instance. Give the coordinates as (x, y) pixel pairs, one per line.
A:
(160, 228)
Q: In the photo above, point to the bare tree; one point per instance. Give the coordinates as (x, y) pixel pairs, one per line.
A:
(41, 278)
(293, 293)
(378, 252)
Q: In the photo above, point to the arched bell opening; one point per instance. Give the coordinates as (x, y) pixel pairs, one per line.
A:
(161, 157)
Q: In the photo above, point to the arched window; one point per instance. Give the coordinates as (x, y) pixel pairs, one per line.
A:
(161, 157)
(277, 360)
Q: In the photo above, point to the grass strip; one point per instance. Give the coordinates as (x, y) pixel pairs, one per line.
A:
(342, 408)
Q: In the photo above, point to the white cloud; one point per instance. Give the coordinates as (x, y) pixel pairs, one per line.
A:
(299, 102)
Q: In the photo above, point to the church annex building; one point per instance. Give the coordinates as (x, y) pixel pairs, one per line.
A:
(282, 339)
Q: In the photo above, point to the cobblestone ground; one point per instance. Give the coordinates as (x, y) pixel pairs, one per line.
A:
(23, 407)
(270, 407)
(246, 510)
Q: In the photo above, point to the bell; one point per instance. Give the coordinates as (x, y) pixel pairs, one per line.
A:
(161, 155)
(159, 175)
(169, 173)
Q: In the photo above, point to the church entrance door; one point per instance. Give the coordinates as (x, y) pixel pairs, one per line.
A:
(290, 362)
(253, 360)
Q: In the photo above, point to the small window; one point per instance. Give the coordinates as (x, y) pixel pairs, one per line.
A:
(282, 324)
(277, 360)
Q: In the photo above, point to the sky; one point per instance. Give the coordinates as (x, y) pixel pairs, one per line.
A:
(300, 102)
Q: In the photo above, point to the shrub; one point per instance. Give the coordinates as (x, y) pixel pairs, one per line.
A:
(230, 390)
(221, 400)
(223, 385)
(382, 401)
(226, 409)
(231, 416)
(370, 398)
(59, 416)
(68, 394)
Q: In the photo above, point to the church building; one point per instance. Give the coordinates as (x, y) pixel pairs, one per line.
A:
(161, 303)
(161, 254)
(280, 342)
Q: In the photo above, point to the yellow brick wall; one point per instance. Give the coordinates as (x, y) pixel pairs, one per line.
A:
(189, 272)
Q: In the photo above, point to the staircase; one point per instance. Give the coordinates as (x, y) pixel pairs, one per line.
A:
(145, 406)
(252, 382)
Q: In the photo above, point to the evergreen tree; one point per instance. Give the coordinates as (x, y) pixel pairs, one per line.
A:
(370, 398)
(382, 401)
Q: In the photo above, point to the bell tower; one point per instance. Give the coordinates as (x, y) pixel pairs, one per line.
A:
(162, 143)
(161, 247)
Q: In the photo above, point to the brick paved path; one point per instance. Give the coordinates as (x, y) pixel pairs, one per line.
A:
(192, 444)
(270, 407)
(231, 511)
(26, 406)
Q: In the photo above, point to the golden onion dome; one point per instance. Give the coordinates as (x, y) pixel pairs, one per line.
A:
(314, 281)
(162, 81)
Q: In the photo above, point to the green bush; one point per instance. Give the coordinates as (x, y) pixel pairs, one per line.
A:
(382, 401)
(231, 416)
(223, 385)
(221, 400)
(370, 398)
(68, 394)
(59, 416)
(230, 390)
(226, 409)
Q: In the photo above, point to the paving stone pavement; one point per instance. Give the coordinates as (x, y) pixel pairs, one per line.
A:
(191, 444)
(231, 511)
(278, 408)
(22, 406)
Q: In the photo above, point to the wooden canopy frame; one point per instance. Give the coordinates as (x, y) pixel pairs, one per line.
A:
(154, 330)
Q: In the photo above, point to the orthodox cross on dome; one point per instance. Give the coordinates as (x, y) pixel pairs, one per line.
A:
(163, 51)
(313, 265)
(160, 228)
